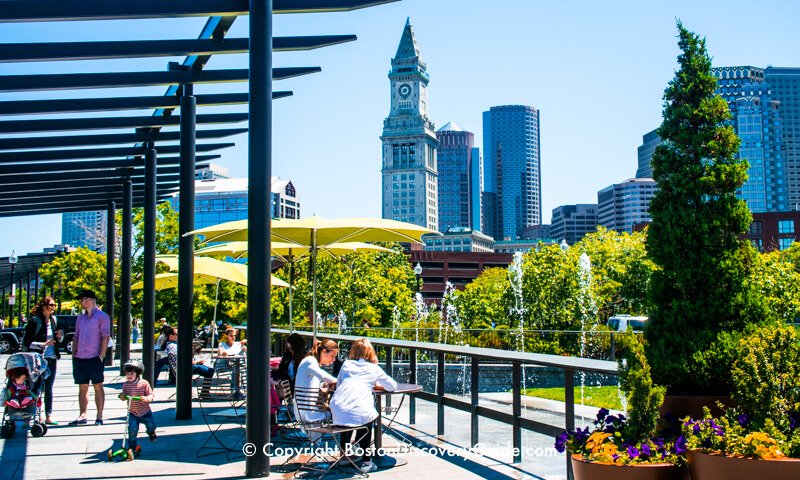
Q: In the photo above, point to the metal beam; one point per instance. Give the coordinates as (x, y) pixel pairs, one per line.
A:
(149, 263)
(71, 124)
(63, 208)
(89, 165)
(94, 176)
(68, 81)
(125, 257)
(58, 11)
(55, 189)
(68, 196)
(57, 51)
(87, 153)
(63, 141)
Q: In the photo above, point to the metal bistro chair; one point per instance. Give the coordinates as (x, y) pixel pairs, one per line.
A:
(286, 417)
(313, 402)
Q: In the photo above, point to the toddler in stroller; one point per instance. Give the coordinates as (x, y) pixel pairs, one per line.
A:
(25, 374)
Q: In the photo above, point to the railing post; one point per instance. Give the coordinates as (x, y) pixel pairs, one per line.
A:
(569, 409)
(474, 402)
(440, 394)
(389, 371)
(516, 382)
(412, 378)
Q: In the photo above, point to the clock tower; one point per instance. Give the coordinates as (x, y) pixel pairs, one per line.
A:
(410, 179)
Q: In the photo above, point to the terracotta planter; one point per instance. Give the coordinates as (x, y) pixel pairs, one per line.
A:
(681, 406)
(583, 470)
(711, 466)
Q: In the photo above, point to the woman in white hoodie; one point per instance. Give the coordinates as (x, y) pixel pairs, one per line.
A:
(353, 404)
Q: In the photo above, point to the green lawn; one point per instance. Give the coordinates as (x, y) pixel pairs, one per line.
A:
(596, 396)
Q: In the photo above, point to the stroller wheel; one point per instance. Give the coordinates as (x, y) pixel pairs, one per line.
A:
(37, 430)
(7, 430)
(44, 426)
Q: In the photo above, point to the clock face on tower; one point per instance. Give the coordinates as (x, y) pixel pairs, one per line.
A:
(404, 90)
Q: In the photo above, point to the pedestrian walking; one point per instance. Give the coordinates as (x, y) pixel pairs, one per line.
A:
(135, 330)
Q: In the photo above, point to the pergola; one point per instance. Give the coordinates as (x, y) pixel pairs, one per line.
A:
(45, 170)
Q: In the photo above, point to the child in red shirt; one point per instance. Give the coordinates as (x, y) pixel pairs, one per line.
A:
(136, 386)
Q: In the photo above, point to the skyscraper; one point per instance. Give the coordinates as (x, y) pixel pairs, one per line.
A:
(476, 189)
(454, 157)
(623, 205)
(409, 167)
(573, 222)
(512, 170)
(650, 141)
(84, 229)
(785, 83)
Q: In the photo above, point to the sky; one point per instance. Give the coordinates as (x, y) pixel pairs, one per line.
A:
(595, 70)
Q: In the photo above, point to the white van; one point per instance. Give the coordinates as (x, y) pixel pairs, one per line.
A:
(620, 323)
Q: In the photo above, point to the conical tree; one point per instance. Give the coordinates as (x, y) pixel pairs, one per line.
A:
(699, 288)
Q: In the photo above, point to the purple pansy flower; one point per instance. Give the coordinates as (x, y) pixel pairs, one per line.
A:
(743, 420)
(561, 442)
(680, 445)
(601, 414)
(633, 452)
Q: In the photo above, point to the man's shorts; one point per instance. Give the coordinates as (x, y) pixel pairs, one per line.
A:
(85, 370)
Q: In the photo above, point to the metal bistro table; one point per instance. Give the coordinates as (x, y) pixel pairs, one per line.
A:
(387, 461)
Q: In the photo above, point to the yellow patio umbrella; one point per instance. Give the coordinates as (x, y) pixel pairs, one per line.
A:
(207, 271)
(288, 252)
(316, 232)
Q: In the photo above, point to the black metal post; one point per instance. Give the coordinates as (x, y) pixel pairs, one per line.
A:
(183, 407)
(28, 293)
(474, 389)
(10, 291)
(389, 371)
(124, 331)
(149, 287)
(19, 300)
(259, 161)
(516, 385)
(60, 292)
(36, 293)
(412, 378)
(569, 409)
(440, 394)
(111, 251)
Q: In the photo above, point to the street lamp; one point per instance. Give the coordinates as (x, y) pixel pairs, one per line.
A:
(564, 245)
(418, 273)
(13, 259)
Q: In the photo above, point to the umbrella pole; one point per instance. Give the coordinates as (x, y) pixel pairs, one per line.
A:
(291, 286)
(314, 283)
(214, 321)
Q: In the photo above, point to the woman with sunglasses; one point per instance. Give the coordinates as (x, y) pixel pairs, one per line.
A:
(41, 336)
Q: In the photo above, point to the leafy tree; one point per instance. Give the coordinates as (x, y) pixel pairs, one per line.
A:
(699, 288)
(550, 289)
(485, 300)
(777, 279)
(72, 272)
(621, 271)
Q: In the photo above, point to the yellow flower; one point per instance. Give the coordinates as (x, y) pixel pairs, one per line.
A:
(595, 440)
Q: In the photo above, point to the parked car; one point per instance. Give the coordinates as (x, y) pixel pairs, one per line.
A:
(66, 323)
(620, 323)
(11, 339)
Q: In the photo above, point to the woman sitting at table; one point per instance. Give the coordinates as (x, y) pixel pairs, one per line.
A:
(311, 376)
(353, 403)
(293, 353)
(229, 346)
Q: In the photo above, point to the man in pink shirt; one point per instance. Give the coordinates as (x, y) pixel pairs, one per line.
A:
(92, 332)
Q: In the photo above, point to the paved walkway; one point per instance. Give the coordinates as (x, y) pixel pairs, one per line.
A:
(81, 452)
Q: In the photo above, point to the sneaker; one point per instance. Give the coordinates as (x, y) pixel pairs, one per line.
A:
(152, 436)
(368, 466)
(348, 461)
(137, 451)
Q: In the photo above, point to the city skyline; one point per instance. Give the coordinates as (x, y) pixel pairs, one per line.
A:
(596, 73)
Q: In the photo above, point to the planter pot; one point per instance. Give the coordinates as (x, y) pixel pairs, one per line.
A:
(711, 466)
(681, 406)
(583, 470)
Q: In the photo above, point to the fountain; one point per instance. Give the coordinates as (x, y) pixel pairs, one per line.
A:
(395, 320)
(342, 317)
(422, 312)
(517, 311)
(587, 308)
(449, 311)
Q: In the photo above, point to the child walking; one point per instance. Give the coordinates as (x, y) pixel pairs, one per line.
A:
(136, 386)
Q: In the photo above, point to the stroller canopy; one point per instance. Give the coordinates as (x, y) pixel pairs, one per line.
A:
(33, 362)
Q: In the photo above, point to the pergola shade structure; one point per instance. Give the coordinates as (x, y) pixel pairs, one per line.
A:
(89, 150)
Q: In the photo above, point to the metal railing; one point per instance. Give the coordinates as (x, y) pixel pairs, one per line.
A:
(569, 365)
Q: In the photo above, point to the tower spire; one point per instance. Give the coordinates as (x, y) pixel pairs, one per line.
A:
(407, 50)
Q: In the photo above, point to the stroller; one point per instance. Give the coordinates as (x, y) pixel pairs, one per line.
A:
(35, 366)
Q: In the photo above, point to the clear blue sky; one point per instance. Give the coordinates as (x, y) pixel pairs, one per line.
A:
(595, 70)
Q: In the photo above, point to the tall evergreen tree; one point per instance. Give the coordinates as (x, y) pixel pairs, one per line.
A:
(700, 286)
